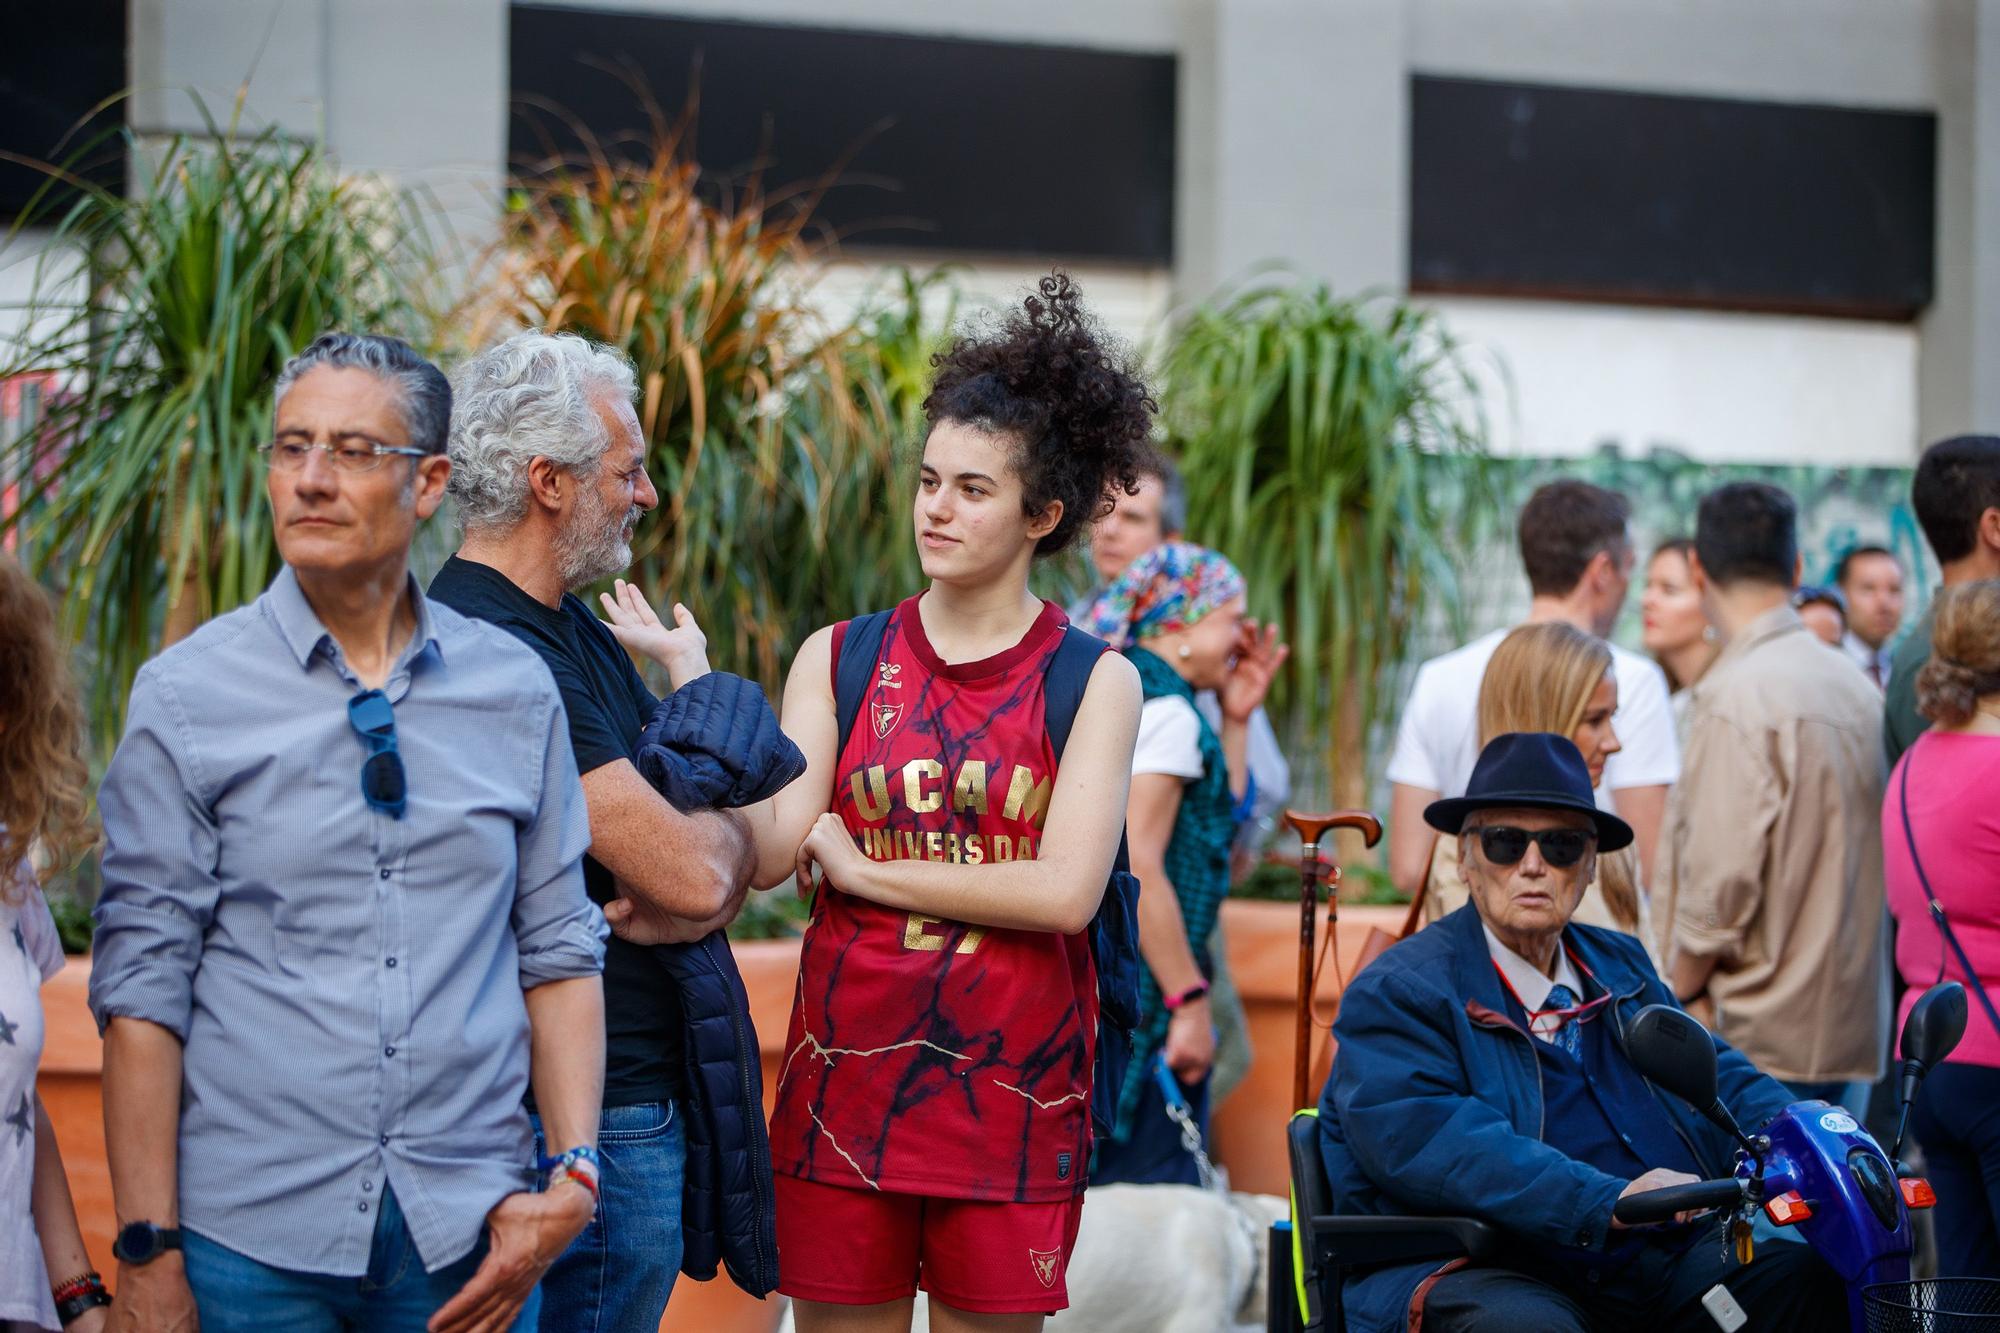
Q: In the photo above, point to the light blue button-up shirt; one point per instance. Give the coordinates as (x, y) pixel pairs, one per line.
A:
(347, 986)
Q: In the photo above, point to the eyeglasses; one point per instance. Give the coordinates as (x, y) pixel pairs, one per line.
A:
(353, 453)
(1561, 847)
(382, 783)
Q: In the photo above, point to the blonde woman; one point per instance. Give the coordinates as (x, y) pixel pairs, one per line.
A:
(1554, 677)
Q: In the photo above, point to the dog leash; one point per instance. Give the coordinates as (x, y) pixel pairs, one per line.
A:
(1182, 1114)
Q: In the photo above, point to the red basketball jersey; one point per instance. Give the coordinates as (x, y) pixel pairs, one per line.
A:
(928, 1056)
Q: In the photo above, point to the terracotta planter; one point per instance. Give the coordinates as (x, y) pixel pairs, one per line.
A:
(1247, 1131)
(70, 1081)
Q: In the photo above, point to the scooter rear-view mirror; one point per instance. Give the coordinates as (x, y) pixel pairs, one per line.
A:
(1937, 1021)
(1678, 1054)
(1675, 1052)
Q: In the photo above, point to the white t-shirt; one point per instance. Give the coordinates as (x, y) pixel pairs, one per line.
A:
(1437, 740)
(30, 953)
(1169, 738)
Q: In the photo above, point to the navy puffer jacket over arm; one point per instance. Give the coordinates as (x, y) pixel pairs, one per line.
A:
(714, 744)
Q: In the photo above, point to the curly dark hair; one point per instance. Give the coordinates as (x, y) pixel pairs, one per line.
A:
(1070, 398)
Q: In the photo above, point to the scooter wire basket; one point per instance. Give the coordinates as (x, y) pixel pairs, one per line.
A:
(1933, 1305)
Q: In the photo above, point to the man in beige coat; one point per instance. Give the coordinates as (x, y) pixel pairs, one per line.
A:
(1772, 896)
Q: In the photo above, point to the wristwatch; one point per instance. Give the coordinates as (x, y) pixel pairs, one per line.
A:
(139, 1243)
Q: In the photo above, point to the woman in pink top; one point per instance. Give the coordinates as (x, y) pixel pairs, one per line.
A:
(1951, 776)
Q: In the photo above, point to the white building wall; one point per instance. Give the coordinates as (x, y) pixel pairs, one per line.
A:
(1560, 380)
(1292, 147)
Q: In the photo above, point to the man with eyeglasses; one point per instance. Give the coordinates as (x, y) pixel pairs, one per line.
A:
(343, 925)
(1481, 1072)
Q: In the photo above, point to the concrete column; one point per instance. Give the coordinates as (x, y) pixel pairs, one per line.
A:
(213, 49)
(417, 90)
(1959, 375)
(1983, 370)
(1304, 154)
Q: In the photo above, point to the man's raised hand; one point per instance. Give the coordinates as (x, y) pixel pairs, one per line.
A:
(682, 648)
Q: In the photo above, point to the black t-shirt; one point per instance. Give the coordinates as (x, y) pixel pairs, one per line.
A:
(608, 705)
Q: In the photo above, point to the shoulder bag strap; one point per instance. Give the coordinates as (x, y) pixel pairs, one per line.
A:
(1416, 913)
(1937, 908)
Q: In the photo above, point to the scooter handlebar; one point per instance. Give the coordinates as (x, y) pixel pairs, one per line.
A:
(1660, 1205)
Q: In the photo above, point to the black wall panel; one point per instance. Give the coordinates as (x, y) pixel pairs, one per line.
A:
(57, 60)
(1524, 189)
(967, 146)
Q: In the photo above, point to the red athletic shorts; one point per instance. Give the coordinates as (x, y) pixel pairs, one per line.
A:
(863, 1247)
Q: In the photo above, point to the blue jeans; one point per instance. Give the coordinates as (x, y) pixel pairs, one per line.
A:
(615, 1277)
(234, 1293)
(1957, 1119)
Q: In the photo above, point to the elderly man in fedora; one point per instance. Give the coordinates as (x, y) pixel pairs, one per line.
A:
(1481, 1072)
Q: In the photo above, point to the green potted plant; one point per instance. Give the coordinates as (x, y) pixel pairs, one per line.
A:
(229, 254)
(1334, 447)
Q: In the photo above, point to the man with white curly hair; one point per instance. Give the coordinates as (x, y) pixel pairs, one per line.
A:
(549, 475)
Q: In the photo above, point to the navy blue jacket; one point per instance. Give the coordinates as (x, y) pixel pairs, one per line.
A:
(1434, 1107)
(714, 743)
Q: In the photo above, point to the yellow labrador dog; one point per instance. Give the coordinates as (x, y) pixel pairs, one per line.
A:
(1162, 1259)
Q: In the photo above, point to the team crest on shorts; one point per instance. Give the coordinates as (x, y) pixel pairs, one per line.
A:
(1046, 1263)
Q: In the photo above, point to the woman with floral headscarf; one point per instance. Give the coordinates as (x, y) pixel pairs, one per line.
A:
(1178, 613)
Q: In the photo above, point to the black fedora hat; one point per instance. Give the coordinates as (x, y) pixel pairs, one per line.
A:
(1533, 770)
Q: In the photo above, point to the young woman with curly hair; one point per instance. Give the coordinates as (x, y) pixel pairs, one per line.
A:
(45, 1280)
(932, 1123)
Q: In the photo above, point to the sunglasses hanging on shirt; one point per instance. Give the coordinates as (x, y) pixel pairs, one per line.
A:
(382, 782)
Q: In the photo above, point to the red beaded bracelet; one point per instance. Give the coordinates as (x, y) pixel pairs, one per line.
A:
(80, 1285)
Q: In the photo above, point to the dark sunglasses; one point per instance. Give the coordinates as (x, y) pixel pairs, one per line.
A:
(382, 784)
(1561, 847)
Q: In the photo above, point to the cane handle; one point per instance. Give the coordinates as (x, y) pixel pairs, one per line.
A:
(1312, 828)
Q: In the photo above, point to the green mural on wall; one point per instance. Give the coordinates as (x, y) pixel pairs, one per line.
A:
(1839, 508)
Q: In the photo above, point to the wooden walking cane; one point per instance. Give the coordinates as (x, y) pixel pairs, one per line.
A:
(1311, 828)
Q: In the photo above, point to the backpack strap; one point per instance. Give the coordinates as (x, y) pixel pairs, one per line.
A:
(857, 646)
(1065, 679)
